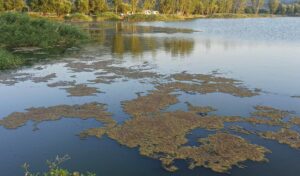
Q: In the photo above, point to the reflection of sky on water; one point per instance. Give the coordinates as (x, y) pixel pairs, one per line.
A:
(268, 62)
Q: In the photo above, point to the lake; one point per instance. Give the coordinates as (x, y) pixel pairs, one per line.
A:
(126, 61)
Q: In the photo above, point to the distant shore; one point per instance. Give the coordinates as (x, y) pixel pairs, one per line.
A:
(110, 16)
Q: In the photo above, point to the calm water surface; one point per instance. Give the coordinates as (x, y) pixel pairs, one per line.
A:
(263, 53)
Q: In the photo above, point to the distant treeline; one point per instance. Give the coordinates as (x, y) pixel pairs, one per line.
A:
(183, 7)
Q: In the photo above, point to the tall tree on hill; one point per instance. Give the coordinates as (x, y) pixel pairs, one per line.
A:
(273, 5)
(82, 6)
(257, 4)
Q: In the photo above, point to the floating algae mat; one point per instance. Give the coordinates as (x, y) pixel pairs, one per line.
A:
(162, 135)
(38, 115)
(154, 100)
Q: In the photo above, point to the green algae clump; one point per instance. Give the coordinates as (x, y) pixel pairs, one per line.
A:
(82, 90)
(270, 112)
(37, 115)
(149, 104)
(284, 136)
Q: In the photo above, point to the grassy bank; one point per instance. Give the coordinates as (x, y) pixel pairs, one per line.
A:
(234, 15)
(19, 30)
(9, 61)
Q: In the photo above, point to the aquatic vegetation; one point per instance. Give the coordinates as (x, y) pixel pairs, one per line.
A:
(11, 78)
(105, 79)
(295, 121)
(62, 84)
(206, 88)
(81, 90)
(201, 110)
(85, 67)
(203, 78)
(37, 115)
(221, 151)
(20, 30)
(149, 104)
(44, 78)
(240, 129)
(284, 136)
(9, 61)
(269, 112)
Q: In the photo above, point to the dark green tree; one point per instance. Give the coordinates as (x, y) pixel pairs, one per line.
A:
(149, 4)
(257, 4)
(1, 6)
(96, 6)
(16, 5)
(81, 6)
(273, 6)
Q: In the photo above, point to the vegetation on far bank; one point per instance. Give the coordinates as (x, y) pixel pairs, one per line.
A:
(20, 30)
(150, 10)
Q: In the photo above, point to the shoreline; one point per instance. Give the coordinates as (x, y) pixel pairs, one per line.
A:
(109, 16)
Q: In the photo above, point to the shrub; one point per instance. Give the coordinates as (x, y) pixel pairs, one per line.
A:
(55, 170)
(108, 16)
(19, 30)
(76, 17)
(8, 60)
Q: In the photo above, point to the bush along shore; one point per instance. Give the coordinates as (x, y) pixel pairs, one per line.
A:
(54, 169)
(21, 32)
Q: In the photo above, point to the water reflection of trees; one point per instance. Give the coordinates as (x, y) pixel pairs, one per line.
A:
(179, 47)
(136, 40)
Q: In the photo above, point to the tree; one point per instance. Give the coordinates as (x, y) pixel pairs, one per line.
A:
(134, 5)
(282, 9)
(62, 7)
(96, 6)
(239, 6)
(82, 6)
(168, 6)
(225, 6)
(1, 6)
(16, 5)
(149, 4)
(257, 4)
(273, 5)
(117, 4)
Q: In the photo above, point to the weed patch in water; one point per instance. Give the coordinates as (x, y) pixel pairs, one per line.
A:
(37, 115)
(284, 136)
(44, 78)
(62, 84)
(270, 112)
(81, 90)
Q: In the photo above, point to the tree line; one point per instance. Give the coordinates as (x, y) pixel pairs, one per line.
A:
(184, 7)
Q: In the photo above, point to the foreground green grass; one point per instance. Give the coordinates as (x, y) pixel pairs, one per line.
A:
(20, 30)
